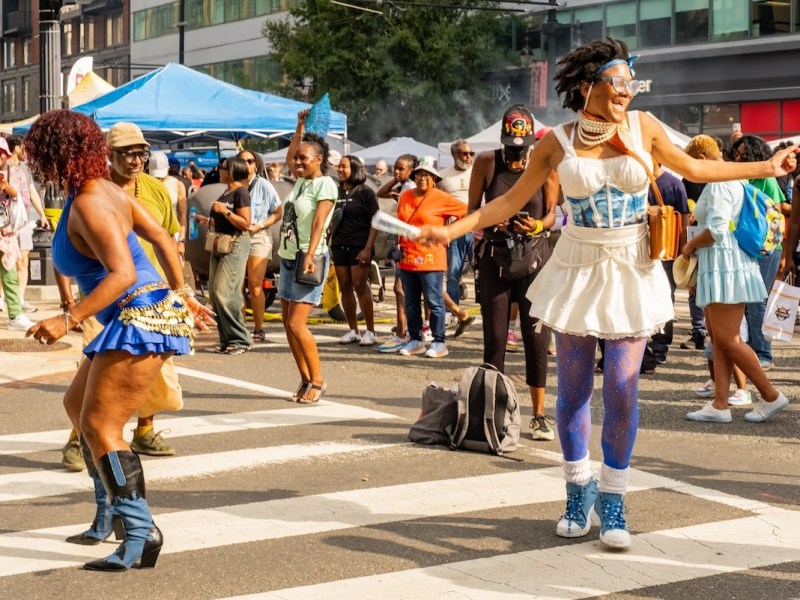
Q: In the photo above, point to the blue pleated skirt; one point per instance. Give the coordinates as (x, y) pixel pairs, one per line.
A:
(728, 275)
(156, 321)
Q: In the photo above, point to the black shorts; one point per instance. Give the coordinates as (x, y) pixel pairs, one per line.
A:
(345, 256)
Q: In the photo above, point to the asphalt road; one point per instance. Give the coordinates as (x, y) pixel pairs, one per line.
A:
(268, 499)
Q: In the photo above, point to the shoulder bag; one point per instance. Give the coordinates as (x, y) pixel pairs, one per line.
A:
(665, 224)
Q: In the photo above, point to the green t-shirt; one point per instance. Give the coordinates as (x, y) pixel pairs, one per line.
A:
(304, 197)
(155, 197)
(771, 188)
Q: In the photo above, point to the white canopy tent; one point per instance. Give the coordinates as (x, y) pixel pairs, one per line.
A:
(389, 151)
(487, 139)
(342, 146)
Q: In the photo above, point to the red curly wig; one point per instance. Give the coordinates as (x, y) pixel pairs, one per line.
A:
(66, 147)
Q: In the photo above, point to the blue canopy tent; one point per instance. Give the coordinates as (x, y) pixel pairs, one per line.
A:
(176, 103)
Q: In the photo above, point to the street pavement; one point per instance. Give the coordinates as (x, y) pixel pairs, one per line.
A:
(269, 499)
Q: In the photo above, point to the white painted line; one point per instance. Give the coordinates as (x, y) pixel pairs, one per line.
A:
(582, 570)
(41, 484)
(44, 549)
(321, 412)
(246, 385)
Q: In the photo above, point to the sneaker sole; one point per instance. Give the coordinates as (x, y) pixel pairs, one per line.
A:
(73, 467)
(703, 394)
(149, 452)
(623, 542)
(412, 352)
(541, 436)
(707, 419)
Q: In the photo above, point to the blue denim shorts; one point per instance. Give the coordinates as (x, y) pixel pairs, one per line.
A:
(298, 292)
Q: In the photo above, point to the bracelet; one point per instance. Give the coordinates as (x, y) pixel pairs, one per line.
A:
(67, 317)
(185, 292)
(538, 230)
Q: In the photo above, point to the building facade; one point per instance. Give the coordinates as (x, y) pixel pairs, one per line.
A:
(99, 28)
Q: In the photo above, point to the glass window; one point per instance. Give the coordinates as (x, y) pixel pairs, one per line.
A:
(719, 118)
(139, 22)
(729, 20)
(563, 35)
(26, 94)
(770, 17)
(685, 119)
(86, 40)
(532, 44)
(114, 29)
(66, 38)
(26, 51)
(9, 54)
(691, 21)
(655, 23)
(9, 97)
(588, 24)
(621, 22)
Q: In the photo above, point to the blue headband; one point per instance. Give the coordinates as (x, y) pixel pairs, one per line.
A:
(620, 61)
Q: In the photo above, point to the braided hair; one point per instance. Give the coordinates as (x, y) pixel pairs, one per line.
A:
(581, 65)
(320, 147)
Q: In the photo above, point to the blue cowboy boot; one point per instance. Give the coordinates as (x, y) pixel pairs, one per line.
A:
(121, 472)
(105, 520)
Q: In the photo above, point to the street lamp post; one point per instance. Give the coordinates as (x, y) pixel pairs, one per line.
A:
(50, 95)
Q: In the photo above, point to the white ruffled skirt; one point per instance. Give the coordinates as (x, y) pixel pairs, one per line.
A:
(602, 282)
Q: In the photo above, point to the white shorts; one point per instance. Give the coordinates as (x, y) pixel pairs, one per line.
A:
(25, 239)
(261, 245)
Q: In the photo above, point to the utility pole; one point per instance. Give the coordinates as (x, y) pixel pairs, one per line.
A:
(181, 29)
(50, 78)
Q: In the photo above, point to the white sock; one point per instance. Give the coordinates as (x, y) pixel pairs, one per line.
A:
(578, 472)
(613, 481)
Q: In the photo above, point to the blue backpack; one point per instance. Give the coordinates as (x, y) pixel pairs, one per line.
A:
(760, 227)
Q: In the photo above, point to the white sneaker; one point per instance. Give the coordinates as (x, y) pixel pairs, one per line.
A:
(740, 398)
(709, 414)
(706, 391)
(367, 339)
(437, 350)
(393, 344)
(27, 306)
(764, 410)
(20, 323)
(413, 347)
(351, 337)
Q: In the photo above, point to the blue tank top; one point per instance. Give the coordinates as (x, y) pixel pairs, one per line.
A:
(89, 272)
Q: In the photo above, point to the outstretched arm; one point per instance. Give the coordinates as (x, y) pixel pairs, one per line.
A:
(296, 139)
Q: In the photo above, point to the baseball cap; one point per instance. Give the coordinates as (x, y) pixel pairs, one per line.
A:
(516, 128)
(159, 165)
(123, 134)
(4, 146)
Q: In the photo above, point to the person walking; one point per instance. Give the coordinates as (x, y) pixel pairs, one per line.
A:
(601, 282)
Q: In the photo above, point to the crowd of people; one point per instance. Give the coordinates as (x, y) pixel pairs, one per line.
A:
(497, 211)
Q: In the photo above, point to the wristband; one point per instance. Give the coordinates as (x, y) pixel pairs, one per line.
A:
(538, 230)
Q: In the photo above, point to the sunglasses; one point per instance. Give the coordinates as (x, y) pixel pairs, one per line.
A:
(621, 85)
(131, 155)
(467, 153)
(250, 161)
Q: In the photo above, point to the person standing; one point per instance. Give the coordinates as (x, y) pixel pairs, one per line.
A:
(159, 168)
(351, 248)
(307, 214)
(601, 282)
(495, 173)
(265, 210)
(128, 152)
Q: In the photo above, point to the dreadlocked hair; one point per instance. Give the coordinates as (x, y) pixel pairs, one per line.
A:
(320, 147)
(581, 64)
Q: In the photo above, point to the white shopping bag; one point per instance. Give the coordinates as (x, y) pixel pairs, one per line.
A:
(778, 325)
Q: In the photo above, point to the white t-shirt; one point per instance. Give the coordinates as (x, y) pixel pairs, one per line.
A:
(456, 182)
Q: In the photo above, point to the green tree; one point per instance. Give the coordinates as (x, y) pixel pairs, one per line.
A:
(414, 70)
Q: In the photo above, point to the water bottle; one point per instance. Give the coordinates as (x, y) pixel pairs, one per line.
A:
(193, 230)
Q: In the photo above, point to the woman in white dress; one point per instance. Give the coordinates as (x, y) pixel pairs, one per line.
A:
(600, 281)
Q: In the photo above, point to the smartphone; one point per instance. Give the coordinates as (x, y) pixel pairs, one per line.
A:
(519, 216)
(737, 127)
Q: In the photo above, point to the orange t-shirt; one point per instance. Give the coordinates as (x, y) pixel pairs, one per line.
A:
(434, 208)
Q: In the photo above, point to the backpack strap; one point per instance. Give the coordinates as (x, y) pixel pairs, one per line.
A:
(489, 388)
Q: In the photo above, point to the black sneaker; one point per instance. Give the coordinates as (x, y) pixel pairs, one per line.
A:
(696, 342)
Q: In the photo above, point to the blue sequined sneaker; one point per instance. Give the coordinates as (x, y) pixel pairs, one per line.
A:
(613, 530)
(576, 520)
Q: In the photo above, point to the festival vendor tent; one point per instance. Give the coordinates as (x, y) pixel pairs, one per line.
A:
(395, 147)
(176, 103)
(88, 88)
(334, 143)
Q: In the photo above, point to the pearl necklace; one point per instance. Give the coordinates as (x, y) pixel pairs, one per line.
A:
(593, 131)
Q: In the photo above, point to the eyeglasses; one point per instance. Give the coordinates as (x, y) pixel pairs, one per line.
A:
(621, 85)
(250, 161)
(131, 155)
(421, 174)
(466, 153)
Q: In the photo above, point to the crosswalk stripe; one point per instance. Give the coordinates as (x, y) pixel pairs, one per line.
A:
(321, 412)
(42, 483)
(581, 570)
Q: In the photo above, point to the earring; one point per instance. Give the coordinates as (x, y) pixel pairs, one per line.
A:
(588, 93)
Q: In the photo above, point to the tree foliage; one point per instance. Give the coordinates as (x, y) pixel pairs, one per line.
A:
(413, 71)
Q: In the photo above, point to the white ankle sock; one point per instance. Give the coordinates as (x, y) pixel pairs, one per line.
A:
(613, 481)
(578, 472)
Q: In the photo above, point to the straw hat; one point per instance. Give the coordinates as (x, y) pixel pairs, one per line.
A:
(684, 271)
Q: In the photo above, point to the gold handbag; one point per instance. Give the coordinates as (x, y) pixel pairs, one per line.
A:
(665, 224)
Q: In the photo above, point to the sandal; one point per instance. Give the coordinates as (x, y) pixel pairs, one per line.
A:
(234, 350)
(305, 399)
(258, 336)
(301, 391)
